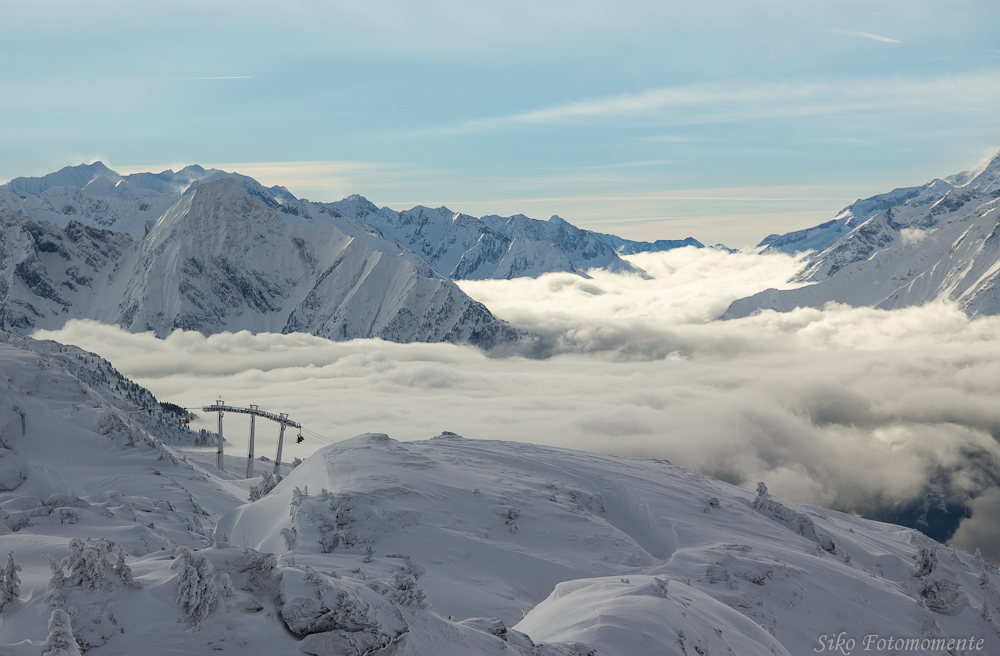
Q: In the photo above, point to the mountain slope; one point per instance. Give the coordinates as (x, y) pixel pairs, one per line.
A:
(222, 260)
(932, 243)
(444, 546)
(625, 555)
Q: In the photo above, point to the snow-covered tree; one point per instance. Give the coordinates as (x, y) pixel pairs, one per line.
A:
(291, 538)
(927, 559)
(226, 588)
(87, 566)
(123, 571)
(60, 641)
(407, 592)
(259, 567)
(54, 596)
(297, 497)
(10, 584)
(268, 483)
(762, 496)
(196, 592)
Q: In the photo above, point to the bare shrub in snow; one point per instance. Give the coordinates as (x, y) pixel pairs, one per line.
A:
(60, 641)
(196, 594)
(944, 597)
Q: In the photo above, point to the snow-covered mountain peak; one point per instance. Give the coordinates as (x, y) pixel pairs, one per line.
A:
(986, 179)
(438, 241)
(211, 210)
(913, 245)
(69, 176)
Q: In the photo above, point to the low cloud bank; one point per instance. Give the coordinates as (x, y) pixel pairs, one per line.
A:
(891, 415)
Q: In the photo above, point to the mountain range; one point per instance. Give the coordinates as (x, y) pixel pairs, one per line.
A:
(936, 242)
(211, 251)
(455, 245)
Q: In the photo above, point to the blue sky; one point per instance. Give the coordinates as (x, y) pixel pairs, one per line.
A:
(720, 120)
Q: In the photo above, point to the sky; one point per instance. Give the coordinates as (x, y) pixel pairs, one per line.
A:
(889, 414)
(721, 120)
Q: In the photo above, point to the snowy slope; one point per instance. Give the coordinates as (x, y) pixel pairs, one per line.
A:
(445, 546)
(577, 542)
(909, 247)
(223, 260)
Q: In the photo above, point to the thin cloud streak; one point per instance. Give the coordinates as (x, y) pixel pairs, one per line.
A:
(219, 77)
(865, 35)
(767, 100)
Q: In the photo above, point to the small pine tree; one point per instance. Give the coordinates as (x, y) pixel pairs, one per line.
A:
(927, 560)
(290, 536)
(54, 596)
(226, 588)
(123, 571)
(10, 585)
(762, 495)
(268, 483)
(196, 592)
(87, 565)
(60, 641)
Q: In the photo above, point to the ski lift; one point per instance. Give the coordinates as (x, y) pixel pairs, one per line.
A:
(300, 439)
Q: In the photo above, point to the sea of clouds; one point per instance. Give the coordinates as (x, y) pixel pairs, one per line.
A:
(888, 414)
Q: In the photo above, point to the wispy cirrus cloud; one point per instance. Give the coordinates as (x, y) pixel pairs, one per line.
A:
(865, 35)
(740, 101)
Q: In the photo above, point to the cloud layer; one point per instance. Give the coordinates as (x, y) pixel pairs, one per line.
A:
(887, 414)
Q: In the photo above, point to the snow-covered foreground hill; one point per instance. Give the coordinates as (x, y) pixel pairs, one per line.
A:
(445, 546)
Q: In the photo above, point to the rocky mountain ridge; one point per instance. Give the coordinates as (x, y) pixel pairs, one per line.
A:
(916, 245)
(221, 259)
(455, 245)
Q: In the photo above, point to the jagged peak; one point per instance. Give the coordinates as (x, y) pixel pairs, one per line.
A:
(986, 177)
(968, 178)
(79, 175)
(218, 187)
